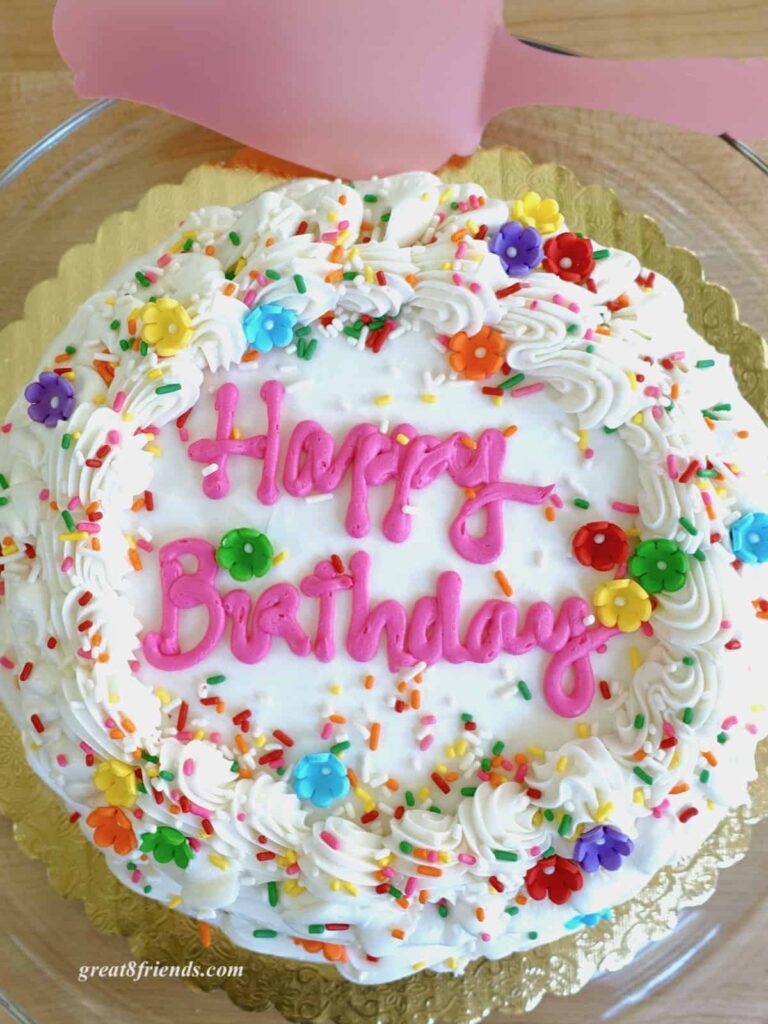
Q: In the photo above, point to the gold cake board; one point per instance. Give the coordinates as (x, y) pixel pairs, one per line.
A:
(314, 991)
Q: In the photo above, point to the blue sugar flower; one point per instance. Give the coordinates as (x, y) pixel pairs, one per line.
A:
(321, 778)
(749, 538)
(589, 920)
(269, 326)
(602, 847)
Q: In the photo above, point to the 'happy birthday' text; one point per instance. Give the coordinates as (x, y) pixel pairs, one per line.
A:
(370, 458)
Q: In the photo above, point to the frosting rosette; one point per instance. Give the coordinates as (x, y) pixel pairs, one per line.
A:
(269, 816)
(582, 780)
(429, 848)
(341, 858)
(500, 832)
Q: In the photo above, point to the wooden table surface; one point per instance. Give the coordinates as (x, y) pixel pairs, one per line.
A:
(36, 94)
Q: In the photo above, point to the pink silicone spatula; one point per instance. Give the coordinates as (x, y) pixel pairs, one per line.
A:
(355, 87)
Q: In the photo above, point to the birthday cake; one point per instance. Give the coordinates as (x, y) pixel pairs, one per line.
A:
(383, 574)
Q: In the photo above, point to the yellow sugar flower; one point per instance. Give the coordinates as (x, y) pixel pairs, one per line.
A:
(535, 212)
(622, 603)
(166, 325)
(117, 782)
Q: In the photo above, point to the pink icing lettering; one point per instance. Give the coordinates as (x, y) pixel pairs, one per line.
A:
(575, 654)
(449, 604)
(431, 633)
(314, 465)
(420, 462)
(490, 545)
(424, 639)
(273, 614)
(311, 466)
(324, 584)
(366, 625)
(185, 590)
(217, 451)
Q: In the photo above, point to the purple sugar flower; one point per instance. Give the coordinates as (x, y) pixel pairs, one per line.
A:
(51, 398)
(602, 847)
(519, 248)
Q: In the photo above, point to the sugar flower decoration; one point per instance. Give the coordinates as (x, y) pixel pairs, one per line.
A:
(569, 256)
(622, 603)
(320, 778)
(477, 356)
(588, 920)
(602, 546)
(333, 952)
(112, 830)
(535, 212)
(518, 247)
(659, 565)
(51, 399)
(269, 326)
(117, 782)
(166, 325)
(245, 553)
(167, 844)
(554, 878)
(602, 847)
(749, 538)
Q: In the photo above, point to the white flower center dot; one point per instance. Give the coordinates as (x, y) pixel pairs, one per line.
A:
(269, 324)
(480, 352)
(248, 549)
(599, 538)
(661, 566)
(566, 262)
(511, 252)
(754, 538)
(619, 602)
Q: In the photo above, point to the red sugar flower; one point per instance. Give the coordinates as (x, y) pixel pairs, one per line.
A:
(569, 256)
(556, 878)
(602, 546)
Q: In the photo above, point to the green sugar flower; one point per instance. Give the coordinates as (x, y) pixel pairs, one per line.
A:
(245, 553)
(167, 844)
(659, 565)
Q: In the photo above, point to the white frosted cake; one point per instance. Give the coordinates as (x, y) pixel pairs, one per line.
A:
(384, 575)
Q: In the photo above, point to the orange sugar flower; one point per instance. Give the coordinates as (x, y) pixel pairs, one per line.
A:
(477, 356)
(111, 827)
(332, 951)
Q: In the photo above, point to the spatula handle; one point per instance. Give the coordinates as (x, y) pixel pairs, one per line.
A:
(710, 95)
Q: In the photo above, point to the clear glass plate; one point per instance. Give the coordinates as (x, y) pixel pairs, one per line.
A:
(705, 196)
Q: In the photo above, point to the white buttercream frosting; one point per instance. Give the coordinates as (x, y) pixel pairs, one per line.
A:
(461, 777)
